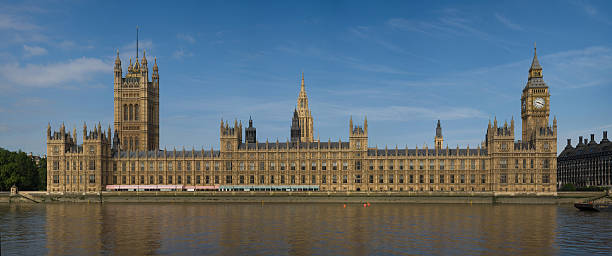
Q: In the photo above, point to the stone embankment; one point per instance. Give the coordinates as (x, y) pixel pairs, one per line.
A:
(295, 197)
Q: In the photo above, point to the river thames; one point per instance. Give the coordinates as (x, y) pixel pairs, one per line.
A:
(301, 229)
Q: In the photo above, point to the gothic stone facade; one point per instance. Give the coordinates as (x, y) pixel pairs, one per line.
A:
(132, 158)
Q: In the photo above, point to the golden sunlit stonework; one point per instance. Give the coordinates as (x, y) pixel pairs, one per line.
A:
(131, 159)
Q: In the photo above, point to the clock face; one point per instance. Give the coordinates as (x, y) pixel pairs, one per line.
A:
(538, 103)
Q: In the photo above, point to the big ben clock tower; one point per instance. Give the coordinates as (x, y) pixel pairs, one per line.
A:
(535, 101)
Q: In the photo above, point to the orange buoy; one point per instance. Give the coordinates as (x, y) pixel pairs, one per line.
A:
(365, 205)
(368, 203)
(344, 205)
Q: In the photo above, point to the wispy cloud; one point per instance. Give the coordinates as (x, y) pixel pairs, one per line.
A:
(355, 63)
(181, 53)
(407, 113)
(592, 11)
(187, 38)
(580, 68)
(449, 23)
(71, 45)
(54, 74)
(507, 22)
(9, 22)
(30, 51)
(366, 33)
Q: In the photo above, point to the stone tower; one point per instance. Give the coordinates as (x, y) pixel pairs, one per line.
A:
(295, 127)
(304, 116)
(535, 101)
(136, 105)
(439, 140)
(250, 132)
(230, 136)
(358, 135)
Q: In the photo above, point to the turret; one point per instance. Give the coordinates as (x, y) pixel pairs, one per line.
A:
(439, 140)
(118, 70)
(295, 127)
(116, 141)
(63, 131)
(108, 134)
(555, 126)
(351, 126)
(155, 76)
(358, 136)
(84, 131)
(144, 62)
(250, 132)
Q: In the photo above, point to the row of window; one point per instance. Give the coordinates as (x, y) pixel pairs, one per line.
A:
(131, 142)
(523, 178)
(130, 112)
(229, 165)
(76, 179)
(503, 163)
(293, 179)
(91, 166)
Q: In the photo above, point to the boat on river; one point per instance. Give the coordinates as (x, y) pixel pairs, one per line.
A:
(598, 204)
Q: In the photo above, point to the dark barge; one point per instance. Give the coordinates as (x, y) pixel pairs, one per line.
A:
(598, 204)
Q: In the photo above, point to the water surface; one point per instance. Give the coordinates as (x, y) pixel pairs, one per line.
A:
(301, 229)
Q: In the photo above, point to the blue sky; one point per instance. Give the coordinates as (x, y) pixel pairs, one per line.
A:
(404, 64)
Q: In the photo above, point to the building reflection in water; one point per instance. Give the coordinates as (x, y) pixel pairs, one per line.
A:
(301, 229)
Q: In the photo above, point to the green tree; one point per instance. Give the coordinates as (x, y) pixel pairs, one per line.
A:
(568, 187)
(42, 174)
(17, 168)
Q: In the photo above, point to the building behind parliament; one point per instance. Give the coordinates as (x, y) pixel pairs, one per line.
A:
(129, 157)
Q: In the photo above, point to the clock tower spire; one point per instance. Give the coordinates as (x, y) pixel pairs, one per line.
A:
(535, 104)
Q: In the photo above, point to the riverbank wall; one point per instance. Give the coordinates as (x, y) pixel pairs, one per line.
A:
(295, 197)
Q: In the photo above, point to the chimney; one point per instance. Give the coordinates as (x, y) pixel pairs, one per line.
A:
(605, 137)
(569, 142)
(579, 140)
(593, 139)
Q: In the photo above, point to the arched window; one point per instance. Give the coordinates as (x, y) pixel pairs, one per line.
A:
(125, 112)
(136, 142)
(131, 142)
(131, 112)
(136, 112)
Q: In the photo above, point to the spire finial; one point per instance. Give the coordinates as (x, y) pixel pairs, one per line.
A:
(302, 86)
(117, 60)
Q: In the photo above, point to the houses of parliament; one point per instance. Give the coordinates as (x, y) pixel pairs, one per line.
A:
(129, 158)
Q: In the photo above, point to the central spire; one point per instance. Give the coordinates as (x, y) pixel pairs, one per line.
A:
(304, 116)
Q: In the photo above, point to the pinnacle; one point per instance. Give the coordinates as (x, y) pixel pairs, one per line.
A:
(535, 64)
